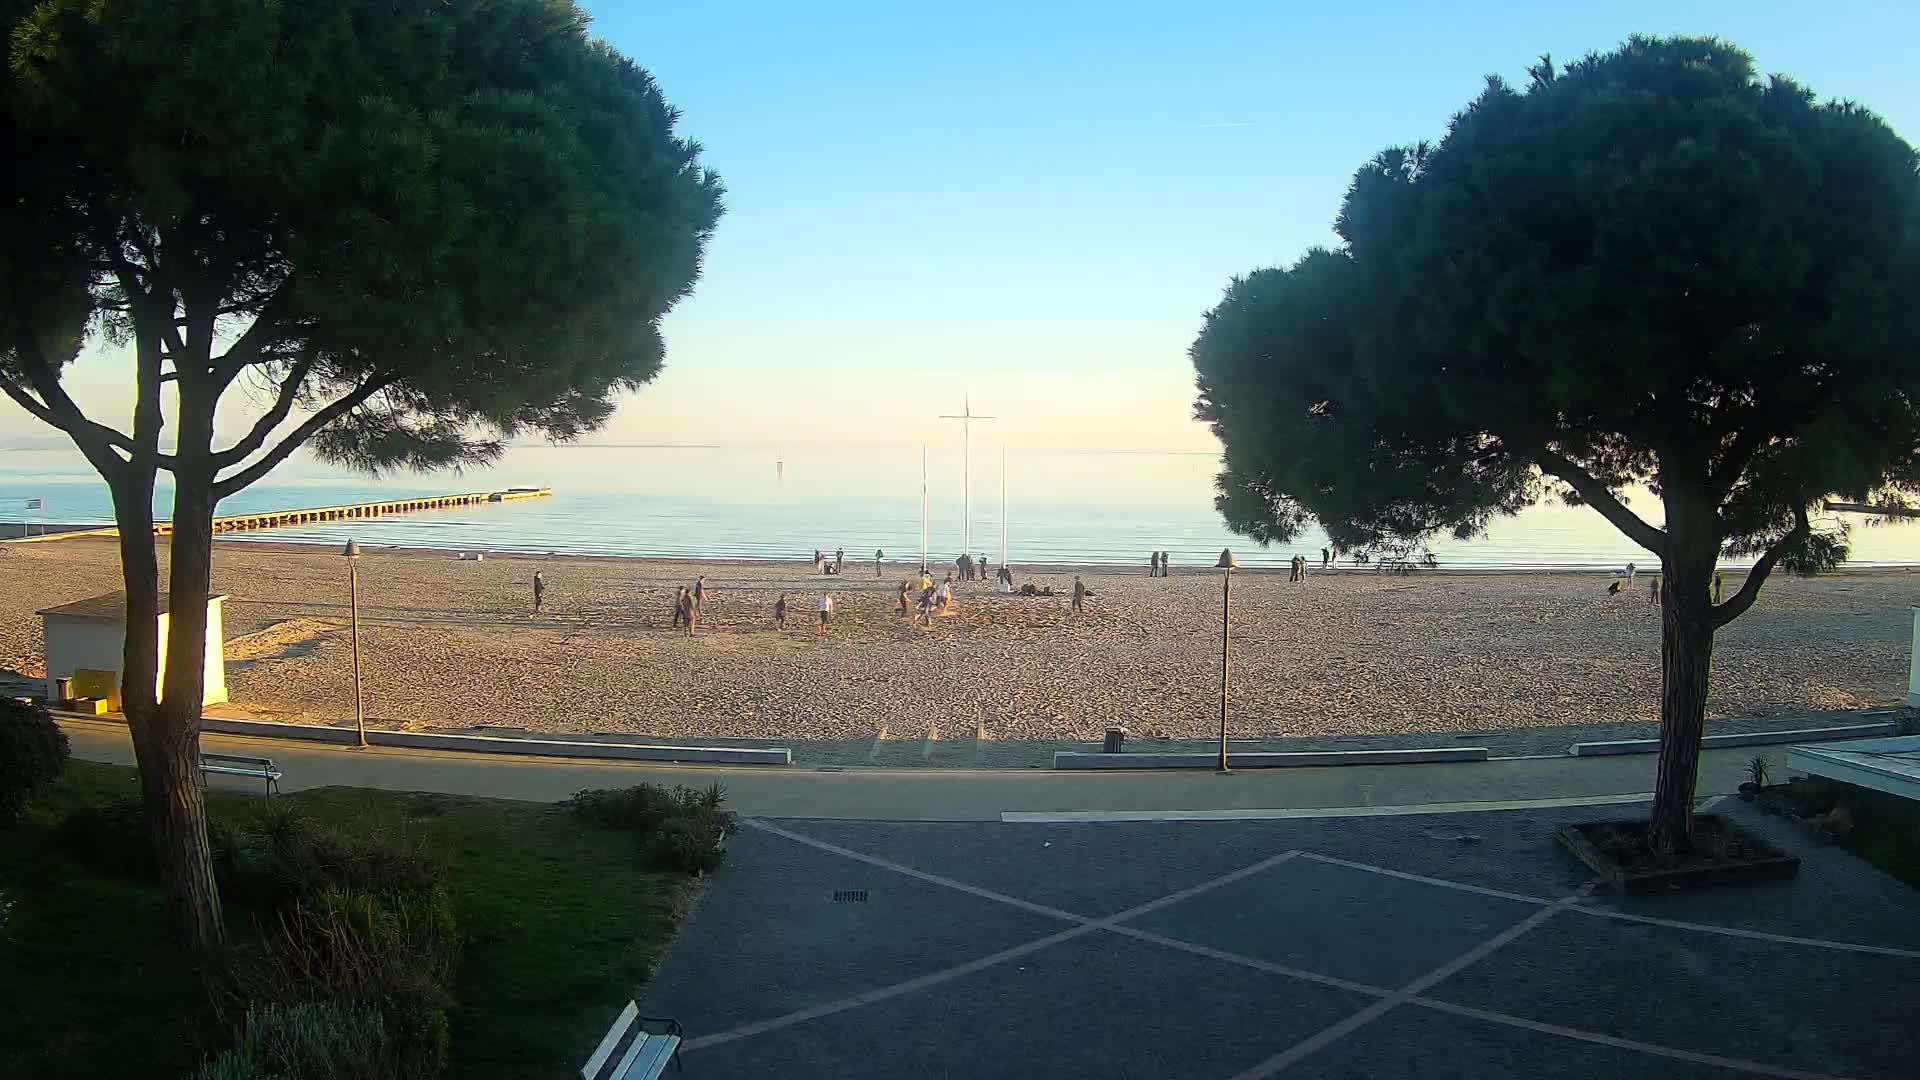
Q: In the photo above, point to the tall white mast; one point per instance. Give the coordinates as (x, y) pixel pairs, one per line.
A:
(966, 417)
(1003, 504)
(923, 506)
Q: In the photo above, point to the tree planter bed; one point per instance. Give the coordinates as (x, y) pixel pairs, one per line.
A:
(1724, 854)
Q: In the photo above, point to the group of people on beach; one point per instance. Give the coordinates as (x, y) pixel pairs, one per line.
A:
(1157, 564)
(688, 603)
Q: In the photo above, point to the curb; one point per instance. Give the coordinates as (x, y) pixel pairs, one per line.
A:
(1077, 759)
(1752, 738)
(482, 744)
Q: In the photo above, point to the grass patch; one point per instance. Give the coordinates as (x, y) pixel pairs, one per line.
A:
(560, 922)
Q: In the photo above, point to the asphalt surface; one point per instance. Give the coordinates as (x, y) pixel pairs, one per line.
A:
(1432, 946)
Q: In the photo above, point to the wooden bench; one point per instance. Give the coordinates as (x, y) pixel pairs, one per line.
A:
(645, 1055)
(239, 765)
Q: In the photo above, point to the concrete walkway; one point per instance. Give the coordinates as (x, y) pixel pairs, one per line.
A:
(955, 795)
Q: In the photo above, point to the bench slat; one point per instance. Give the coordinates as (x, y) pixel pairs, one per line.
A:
(601, 1053)
(652, 1061)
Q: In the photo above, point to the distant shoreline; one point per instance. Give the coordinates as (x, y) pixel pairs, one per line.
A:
(855, 565)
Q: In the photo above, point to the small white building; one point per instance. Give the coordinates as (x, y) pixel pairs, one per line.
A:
(90, 635)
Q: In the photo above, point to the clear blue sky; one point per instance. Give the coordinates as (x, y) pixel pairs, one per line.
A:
(1036, 202)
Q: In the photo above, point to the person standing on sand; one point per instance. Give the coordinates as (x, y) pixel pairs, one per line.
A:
(1293, 568)
(905, 587)
(1079, 595)
(1153, 564)
(877, 556)
(817, 560)
(1165, 556)
(539, 590)
(965, 564)
(1326, 558)
(980, 565)
(839, 560)
(826, 612)
(925, 613)
(689, 610)
(780, 612)
(1630, 571)
(700, 593)
(679, 605)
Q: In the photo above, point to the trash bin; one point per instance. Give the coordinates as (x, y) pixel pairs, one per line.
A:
(1116, 738)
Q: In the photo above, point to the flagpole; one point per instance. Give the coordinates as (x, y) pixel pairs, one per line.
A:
(1003, 504)
(923, 506)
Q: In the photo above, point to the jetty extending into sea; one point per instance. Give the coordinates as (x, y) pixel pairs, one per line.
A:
(273, 519)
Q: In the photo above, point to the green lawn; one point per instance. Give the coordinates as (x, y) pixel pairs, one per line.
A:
(561, 922)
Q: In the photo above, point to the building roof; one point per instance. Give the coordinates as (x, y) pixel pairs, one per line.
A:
(111, 605)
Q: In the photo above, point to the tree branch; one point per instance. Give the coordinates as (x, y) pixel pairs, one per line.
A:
(263, 427)
(313, 425)
(1742, 600)
(1597, 495)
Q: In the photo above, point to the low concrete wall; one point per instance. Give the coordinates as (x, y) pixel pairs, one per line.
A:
(1752, 738)
(481, 744)
(1075, 759)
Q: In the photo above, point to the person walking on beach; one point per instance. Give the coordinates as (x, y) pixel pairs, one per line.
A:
(946, 595)
(839, 560)
(981, 565)
(1630, 572)
(925, 612)
(1653, 591)
(1079, 595)
(1006, 578)
(965, 563)
(818, 559)
(539, 590)
(1326, 558)
(689, 609)
(679, 605)
(905, 588)
(1153, 564)
(780, 612)
(1165, 556)
(877, 556)
(700, 593)
(826, 612)
(1293, 568)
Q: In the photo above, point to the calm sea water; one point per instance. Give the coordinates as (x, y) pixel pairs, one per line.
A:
(768, 504)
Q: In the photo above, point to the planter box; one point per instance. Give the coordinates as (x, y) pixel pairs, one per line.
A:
(1768, 863)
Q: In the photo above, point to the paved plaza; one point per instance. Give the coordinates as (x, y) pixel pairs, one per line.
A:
(1433, 946)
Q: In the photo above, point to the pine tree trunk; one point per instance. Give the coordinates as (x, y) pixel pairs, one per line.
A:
(166, 739)
(1686, 658)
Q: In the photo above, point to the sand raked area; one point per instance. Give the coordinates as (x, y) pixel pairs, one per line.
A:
(455, 644)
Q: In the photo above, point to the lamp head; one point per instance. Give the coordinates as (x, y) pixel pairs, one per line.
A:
(352, 550)
(1227, 561)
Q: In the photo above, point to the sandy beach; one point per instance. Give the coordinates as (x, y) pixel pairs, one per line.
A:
(454, 644)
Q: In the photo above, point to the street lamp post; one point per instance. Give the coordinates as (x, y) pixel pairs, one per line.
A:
(353, 610)
(1226, 565)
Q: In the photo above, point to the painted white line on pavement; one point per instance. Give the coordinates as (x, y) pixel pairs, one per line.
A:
(1737, 1064)
(1313, 1044)
(1757, 935)
(1087, 926)
(1423, 879)
(1063, 817)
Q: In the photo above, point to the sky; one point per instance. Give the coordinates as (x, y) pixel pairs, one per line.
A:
(1032, 205)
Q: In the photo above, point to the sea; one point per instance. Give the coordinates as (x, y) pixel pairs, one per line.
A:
(1038, 506)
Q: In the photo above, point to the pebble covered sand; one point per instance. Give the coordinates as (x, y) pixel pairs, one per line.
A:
(453, 644)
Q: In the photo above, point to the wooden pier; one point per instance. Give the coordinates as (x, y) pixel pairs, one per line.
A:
(275, 519)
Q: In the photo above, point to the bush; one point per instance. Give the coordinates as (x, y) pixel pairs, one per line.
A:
(112, 838)
(344, 945)
(33, 750)
(282, 856)
(391, 1040)
(684, 843)
(679, 829)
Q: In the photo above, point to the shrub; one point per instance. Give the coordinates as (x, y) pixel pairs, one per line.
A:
(112, 837)
(685, 843)
(389, 1040)
(282, 855)
(33, 750)
(346, 945)
(679, 829)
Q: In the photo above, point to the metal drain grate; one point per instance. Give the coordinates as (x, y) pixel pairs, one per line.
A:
(850, 896)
